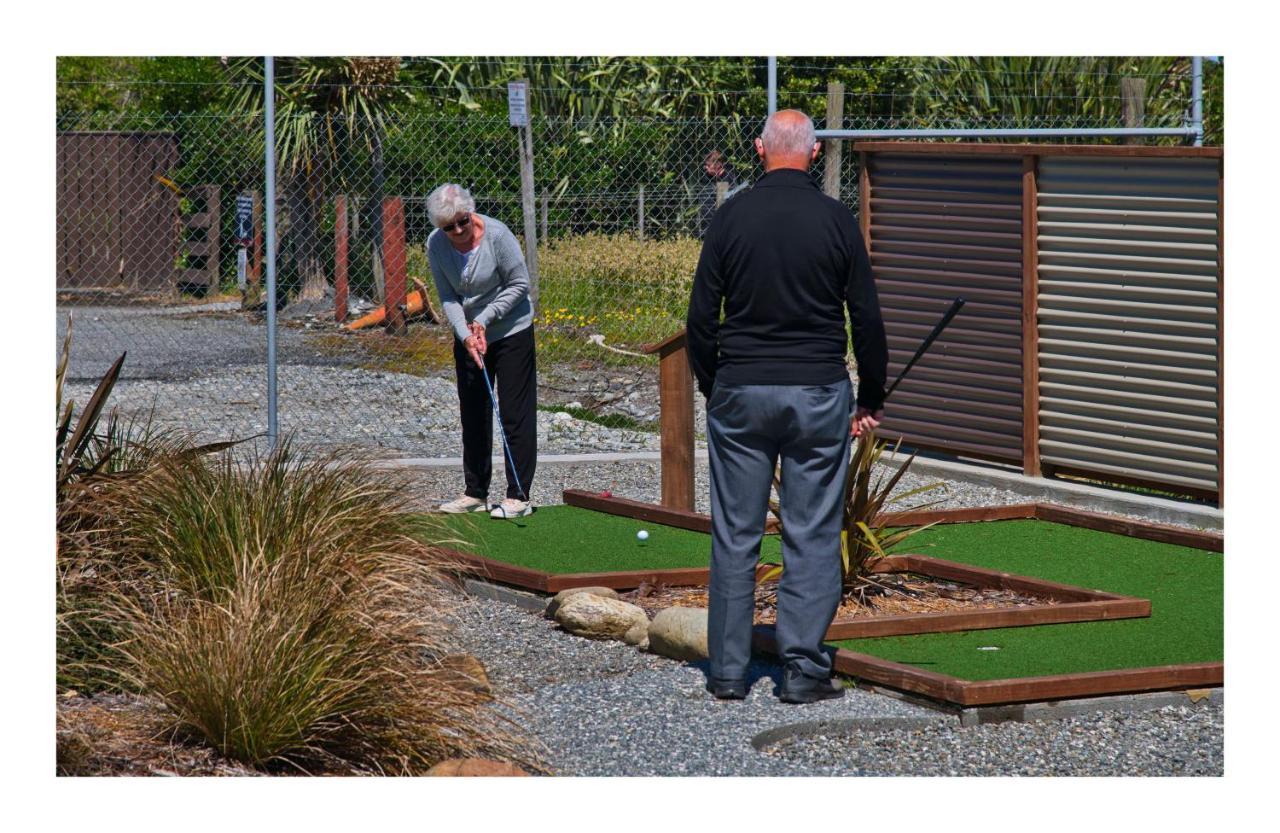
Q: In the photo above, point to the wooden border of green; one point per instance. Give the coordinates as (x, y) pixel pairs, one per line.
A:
(1118, 524)
(961, 692)
(1073, 604)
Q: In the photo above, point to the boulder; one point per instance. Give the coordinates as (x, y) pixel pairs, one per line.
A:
(597, 617)
(468, 674)
(558, 599)
(480, 767)
(679, 633)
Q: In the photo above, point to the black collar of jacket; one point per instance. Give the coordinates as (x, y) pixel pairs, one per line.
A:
(786, 178)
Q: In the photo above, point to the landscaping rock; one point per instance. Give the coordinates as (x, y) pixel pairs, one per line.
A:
(597, 617)
(679, 633)
(558, 599)
(469, 674)
(477, 767)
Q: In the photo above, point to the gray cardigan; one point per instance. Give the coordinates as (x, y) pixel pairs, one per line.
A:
(494, 287)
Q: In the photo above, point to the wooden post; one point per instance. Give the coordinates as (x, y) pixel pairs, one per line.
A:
(255, 270)
(1221, 335)
(1030, 333)
(640, 212)
(340, 259)
(864, 199)
(546, 200)
(394, 266)
(525, 136)
(213, 235)
(834, 151)
(675, 397)
(722, 193)
(1132, 105)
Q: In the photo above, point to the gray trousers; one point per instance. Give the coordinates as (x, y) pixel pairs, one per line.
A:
(749, 427)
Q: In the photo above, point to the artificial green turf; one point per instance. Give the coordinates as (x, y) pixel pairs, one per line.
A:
(566, 539)
(1183, 584)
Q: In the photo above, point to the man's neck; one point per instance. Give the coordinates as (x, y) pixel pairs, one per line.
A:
(786, 164)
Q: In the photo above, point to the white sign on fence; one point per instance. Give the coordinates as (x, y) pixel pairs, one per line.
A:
(518, 103)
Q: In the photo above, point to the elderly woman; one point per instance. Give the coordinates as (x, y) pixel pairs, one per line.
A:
(483, 282)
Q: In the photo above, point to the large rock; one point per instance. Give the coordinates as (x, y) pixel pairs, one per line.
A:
(480, 767)
(679, 633)
(558, 599)
(597, 617)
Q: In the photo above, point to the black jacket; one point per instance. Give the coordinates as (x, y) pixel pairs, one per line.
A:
(785, 260)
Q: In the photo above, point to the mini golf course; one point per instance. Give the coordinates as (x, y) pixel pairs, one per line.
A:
(1178, 645)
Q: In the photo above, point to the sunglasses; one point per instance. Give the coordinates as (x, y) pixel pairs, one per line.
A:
(457, 226)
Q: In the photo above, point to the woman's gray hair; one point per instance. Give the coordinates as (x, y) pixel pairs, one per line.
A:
(788, 132)
(447, 202)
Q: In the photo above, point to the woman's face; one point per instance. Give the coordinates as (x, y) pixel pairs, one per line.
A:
(460, 229)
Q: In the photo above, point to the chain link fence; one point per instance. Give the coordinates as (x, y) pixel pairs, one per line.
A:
(161, 251)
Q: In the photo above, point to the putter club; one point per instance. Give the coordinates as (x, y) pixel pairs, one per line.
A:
(493, 400)
(928, 342)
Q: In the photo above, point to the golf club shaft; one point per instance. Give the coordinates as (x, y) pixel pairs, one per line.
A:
(493, 400)
(929, 340)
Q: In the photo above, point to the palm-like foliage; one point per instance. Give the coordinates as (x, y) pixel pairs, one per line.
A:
(1058, 91)
(323, 107)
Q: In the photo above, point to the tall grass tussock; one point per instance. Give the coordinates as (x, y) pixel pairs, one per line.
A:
(294, 622)
(275, 604)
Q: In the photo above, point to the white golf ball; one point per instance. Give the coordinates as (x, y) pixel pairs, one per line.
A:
(642, 535)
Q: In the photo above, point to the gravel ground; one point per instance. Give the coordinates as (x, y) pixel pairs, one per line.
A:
(201, 368)
(1173, 740)
(603, 708)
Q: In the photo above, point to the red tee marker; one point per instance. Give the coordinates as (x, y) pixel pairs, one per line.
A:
(606, 493)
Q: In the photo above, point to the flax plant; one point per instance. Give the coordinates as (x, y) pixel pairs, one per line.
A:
(864, 537)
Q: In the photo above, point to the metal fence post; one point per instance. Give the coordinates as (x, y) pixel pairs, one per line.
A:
(773, 84)
(269, 95)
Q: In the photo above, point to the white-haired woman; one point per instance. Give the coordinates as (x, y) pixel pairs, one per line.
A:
(483, 282)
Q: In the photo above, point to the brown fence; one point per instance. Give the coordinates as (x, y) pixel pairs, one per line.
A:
(1091, 343)
(117, 224)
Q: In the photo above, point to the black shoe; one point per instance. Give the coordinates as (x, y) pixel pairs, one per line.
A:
(728, 689)
(797, 687)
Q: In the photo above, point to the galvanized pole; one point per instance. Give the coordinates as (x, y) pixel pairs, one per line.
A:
(773, 84)
(269, 96)
(1197, 98)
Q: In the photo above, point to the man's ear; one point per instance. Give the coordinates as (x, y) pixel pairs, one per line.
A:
(759, 143)
(817, 147)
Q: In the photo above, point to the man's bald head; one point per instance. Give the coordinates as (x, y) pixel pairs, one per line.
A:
(788, 141)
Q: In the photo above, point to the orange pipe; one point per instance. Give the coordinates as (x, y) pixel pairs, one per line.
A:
(414, 303)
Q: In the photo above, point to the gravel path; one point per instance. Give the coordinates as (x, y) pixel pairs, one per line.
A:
(201, 369)
(603, 708)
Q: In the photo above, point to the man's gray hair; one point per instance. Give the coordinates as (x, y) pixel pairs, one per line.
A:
(788, 136)
(447, 202)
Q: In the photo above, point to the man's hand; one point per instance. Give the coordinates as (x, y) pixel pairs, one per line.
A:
(865, 421)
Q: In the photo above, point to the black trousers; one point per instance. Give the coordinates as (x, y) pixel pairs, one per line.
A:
(513, 371)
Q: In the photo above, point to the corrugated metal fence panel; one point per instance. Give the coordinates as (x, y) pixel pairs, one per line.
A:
(946, 226)
(1128, 279)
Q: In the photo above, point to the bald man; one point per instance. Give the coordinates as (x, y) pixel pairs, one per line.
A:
(784, 261)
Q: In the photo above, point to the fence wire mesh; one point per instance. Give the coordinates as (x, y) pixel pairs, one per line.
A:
(161, 251)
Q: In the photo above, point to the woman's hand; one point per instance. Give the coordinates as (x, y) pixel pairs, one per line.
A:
(476, 344)
(477, 330)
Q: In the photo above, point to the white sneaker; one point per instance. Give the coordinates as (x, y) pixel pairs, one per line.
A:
(466, 503)
(511, 508)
